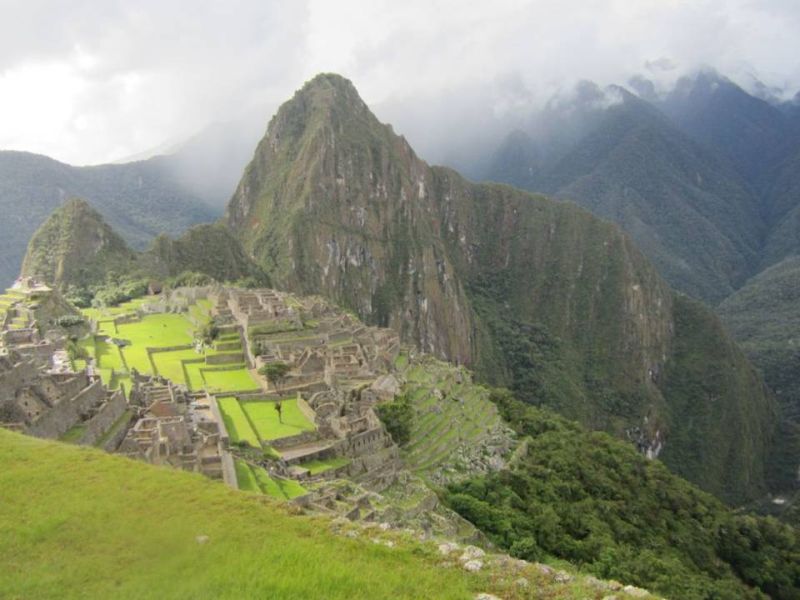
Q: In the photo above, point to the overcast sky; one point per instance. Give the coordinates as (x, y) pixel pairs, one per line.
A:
(95, 81)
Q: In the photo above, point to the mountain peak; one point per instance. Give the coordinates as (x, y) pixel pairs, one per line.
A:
(75, 245)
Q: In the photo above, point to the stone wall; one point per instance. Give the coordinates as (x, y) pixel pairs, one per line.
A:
(67, 413)
(19, 375)
(114, 407)
(226, 358)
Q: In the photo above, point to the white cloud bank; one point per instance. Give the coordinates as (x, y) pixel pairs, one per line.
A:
(94, 81)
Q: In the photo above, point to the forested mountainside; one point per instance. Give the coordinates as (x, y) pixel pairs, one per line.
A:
(587, 498)
(140, 200)
(75, 250)
(535, 294)
(702, 179)
(764, 315)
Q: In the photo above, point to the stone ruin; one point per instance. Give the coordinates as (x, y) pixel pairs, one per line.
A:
(172, 427)
(48, 403)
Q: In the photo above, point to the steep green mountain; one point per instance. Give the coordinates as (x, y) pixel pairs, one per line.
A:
(535, 294)
(209, 249)
(764, 316)
(75, 246)
(587, 498)
(782, 195)
(750, 132)
(687, 210)
(140, 200)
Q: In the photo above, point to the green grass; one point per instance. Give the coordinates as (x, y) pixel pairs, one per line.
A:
(135, 536)
(291, 488)
(268, 485)
(109, 312)
(245, 477)
(194, 378)
(231, 380)
(169, 364)
(236, 422)
(264, 418)
(73, 434)
(315, 467)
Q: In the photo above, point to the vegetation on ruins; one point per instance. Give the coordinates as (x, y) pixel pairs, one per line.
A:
(398, 416)
(67, 321)
(275, 373)
(592, 500)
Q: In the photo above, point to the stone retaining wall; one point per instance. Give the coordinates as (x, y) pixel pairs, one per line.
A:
(106, 416)
(67, 413)
(225, 358)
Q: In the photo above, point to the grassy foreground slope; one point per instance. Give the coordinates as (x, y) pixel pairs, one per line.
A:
(78, 523)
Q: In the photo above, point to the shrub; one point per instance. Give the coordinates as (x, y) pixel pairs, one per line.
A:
(398, 416)
(67, 321)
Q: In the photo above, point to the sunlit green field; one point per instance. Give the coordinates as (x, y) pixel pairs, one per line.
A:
(264, 418)
(79, 523)
(236, 422)
(255, 479)
(183, 366)
(109, 312)
(228, 380)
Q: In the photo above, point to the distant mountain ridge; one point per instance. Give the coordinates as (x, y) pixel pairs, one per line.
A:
(76, 248)
(140, 200)
(703, 179)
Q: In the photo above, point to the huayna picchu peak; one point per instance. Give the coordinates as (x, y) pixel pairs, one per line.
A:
(533, 294)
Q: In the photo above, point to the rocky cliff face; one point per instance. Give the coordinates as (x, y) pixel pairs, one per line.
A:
(536, 295)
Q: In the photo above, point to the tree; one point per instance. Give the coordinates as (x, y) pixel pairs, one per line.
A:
(275, 373)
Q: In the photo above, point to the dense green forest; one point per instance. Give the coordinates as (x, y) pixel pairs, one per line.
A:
(592, 500)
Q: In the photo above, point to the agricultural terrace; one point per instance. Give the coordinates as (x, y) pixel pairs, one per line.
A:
(440, 428)
(256, 479)
(256, 421)
(161, 344)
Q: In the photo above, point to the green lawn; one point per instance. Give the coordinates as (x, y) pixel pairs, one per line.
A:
(245, 477)
(232, 380)
(169, 364)
(265, 419)
(194, 377)
(236, 422)
(291, 488)
(79, 523)
(109, 312)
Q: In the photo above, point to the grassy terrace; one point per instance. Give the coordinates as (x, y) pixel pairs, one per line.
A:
(256, 422)
(434, 438)
(315, 467)
(237, 423)
(184, 365)
(265, 421)
(136, 536)
(255, 479)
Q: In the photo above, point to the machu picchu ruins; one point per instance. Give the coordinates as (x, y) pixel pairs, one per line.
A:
(176, 378)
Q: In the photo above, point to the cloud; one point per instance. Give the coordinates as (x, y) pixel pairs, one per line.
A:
(91, 81)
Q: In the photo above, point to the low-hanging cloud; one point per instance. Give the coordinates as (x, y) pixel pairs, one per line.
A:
(90, 82)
